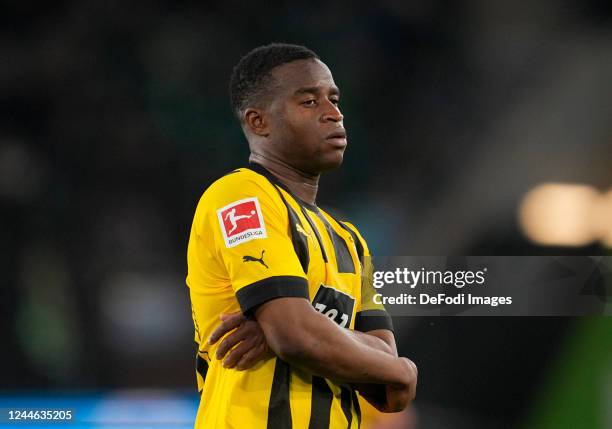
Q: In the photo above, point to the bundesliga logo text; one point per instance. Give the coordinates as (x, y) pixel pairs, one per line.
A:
(241, 221)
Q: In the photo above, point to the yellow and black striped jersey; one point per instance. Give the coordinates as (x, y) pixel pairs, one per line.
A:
(251, 241)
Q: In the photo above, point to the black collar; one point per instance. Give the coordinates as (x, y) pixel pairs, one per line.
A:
(260, 169)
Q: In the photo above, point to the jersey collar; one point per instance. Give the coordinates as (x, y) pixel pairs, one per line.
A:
(260, 169)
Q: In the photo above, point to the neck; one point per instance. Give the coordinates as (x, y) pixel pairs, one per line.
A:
(303, 185)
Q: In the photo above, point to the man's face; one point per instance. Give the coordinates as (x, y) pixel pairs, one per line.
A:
(306, 128)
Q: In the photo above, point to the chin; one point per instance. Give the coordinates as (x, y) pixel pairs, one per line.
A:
(331, 162)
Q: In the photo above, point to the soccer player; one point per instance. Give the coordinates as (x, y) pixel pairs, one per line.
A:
(260, 245)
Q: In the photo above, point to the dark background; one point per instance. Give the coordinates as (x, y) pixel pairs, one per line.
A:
(115, 117)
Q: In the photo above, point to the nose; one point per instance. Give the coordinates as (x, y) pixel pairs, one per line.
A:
(332, 113)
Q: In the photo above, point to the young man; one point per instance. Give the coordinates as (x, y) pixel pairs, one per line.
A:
(261, 246)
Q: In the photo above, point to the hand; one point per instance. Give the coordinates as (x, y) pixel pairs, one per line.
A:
(398, 397)
(246, 344)
(392, 398)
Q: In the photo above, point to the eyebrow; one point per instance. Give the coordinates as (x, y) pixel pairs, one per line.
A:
(315, 90)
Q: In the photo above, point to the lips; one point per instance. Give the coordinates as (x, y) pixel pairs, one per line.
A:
(337, 139)
(338, 134)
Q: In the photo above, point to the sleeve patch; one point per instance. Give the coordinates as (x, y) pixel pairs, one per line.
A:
(241, 221)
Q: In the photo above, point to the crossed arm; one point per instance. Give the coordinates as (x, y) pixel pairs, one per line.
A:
(293, 330)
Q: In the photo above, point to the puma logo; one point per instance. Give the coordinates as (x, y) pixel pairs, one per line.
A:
(248, 258)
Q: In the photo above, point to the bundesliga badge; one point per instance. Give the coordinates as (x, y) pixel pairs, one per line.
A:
(241, 221)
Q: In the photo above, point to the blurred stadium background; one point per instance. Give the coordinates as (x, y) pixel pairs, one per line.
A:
(115, 117)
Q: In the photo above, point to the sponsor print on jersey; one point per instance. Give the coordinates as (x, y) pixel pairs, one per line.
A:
(336, 305)
(241, 221)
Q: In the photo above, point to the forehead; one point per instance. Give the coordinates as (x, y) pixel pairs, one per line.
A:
(302, 74)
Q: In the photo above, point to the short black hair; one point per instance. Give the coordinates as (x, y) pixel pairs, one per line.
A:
(251, 76)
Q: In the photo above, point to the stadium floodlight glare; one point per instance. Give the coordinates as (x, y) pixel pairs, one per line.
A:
(603, 219)
(561, 214)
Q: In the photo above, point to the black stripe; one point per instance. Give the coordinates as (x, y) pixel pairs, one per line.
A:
(320, 404)
(316, 232)
(369, 320)
(255, 294)
(356, 239)
(300, 243)
(357, 407)
(201, 366)
(345, 403)
(279, 409)
(343, 256)
(195, 325)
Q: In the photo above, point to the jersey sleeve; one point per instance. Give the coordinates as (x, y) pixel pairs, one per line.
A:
(245, 223)
(370, 315)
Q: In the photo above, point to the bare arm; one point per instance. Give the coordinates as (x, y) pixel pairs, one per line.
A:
(246, 344)
(302, 336)
(381, 339)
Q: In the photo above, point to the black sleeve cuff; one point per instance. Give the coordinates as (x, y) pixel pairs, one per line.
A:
(255, 294)
(370, 320)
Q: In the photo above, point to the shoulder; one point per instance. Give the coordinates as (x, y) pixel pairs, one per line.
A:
(236, 185)
(242, 189)
(239, 181)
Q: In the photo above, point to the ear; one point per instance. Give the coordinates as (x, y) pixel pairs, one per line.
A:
(255, 121)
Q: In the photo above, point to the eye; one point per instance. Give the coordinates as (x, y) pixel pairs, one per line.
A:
(335, 101)
(311, 102)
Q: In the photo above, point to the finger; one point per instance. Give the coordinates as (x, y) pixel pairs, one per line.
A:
(236, 354)
(224, 316)
(230, 322)
(248, 329)
(228, 343)
(251, 357)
